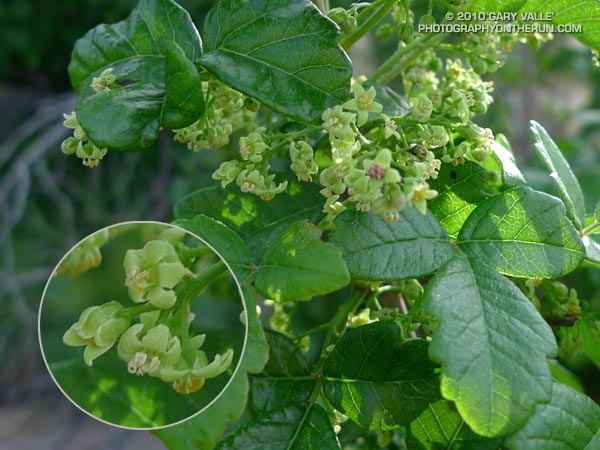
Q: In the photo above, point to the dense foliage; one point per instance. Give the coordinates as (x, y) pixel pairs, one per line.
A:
(396, 202)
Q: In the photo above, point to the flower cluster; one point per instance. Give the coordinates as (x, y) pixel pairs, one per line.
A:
(226, 111)
(252, 173)
(150, 348)
(160, 344)
(552, 298)
(79, 144)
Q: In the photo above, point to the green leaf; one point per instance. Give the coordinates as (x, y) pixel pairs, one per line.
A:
(231, 246)
(592, 248)
(441, 427)
(560, 173)
(286, 377)
(203, 431)
(298, 265)
(573, 12)
(258, 222)
(379, 381)
(563, 375)
(151, 54)
(394, 105)
(376, 250)
(569, 421)
(285, 358)
(267, 394)
(291, 427)
(501, 152)
(492, 345)
(523, 233)
(281, 52)
(461, 189)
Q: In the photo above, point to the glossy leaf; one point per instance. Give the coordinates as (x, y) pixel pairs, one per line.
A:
(285, 379)
(523, 233)
(220, 236)
(203, 431)
(267, 394)
(298, 266)
(291, 427)
(151, 54)
(394, 105)
(379, 381)
(563, 375)
(413, 246)
(281, 52)
(258, 222)
(592, 248)
(461, 189)
(511, 175)
(441, 427)
(569, 421)
(560, 173)
(492, 344)
(285, 358)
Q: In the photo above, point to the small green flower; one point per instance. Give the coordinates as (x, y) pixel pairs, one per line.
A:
(380, 168)
(333, 207)
(104, 81)
(363, 189)
(152, 273)
(303, 165)
(253, 146)
(434, 136)
(79, 144)
(270, 188)
(331, 182)
(187, 379)
(390, 203)
(250, 179)
(339, 124)
(363, 103)
(227, 172)
(421, 107)
(420, 194)
(151, 351)
(98, 328)
(390, 127)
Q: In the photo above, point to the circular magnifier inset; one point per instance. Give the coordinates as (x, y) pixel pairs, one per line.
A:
(142, 325)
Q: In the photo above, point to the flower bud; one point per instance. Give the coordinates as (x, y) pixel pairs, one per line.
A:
(98, 329)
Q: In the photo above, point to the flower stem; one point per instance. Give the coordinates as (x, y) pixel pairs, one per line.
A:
(587, 230)
(392, 67)
(348, 41)
(338, 324)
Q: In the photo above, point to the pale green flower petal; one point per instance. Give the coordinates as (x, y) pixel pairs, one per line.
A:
(162, 298)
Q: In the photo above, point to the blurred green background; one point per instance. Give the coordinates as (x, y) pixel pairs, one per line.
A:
(48, 202)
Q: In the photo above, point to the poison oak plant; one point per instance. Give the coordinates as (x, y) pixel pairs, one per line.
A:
(396, 200)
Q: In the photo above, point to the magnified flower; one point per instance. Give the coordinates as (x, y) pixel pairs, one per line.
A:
(98, 329)
(152, 273)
